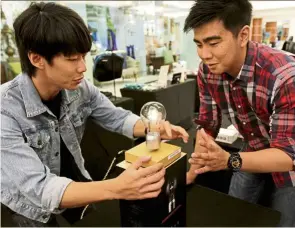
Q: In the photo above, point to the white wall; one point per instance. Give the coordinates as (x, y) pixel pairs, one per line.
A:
(130, 34)
(12, 9)
(80, 8)
(188, 49)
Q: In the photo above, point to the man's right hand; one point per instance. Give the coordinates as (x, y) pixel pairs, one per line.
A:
(195, 164)
(140, 183)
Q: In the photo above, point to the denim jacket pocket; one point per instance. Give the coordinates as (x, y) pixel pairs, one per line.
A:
(79, 119)
(39, 141)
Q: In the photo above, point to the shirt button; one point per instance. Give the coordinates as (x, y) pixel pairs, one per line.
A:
(56, 129)
(56, 154)
(39, 142)
(234, 88)
(239, 106)
(244, 123)
(252, 134)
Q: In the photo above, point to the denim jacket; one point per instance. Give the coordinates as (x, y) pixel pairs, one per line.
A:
(30, 142)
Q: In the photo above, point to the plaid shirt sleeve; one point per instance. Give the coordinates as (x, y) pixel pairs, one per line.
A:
(209, 115)
(282, 127)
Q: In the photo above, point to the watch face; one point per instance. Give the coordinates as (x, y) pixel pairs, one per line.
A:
(236, 163)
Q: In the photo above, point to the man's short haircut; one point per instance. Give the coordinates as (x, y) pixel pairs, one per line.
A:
(234, 14)
(49, 29)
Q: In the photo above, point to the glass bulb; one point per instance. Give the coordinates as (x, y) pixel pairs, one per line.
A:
(152, 114)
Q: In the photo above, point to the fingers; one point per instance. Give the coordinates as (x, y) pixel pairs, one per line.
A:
(200, 156)
(154, 177)
(148, 171)
(168, 129)
(202, 143)
(150, 195)
(200, 149)
(153, 187)
(204, 135)
(203, 170)
(181, 132)
(138, 163)
(199, 162)
(190, 178)
(210, 145)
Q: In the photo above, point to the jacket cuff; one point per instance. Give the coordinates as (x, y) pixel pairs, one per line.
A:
(128, 126)
(53, 192)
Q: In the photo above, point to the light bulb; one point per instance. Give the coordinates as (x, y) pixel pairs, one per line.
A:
(152, 115)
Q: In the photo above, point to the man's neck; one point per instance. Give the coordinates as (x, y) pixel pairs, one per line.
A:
(240, 60)
(45, 90)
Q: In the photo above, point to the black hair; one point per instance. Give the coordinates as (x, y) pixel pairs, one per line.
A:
(234, 14)
(49, 29)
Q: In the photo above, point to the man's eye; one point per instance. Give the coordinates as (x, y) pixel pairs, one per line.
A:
(213, 44)
(199, 45)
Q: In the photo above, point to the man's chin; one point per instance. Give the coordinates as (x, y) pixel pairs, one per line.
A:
(216, 71)
(72, 87)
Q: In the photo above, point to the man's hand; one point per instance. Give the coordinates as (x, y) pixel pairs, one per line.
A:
(215, 159)
(191, 174)
(140, 183)
(169, 131)
(166, 130)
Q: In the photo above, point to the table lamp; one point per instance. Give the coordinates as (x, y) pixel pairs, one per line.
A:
(152, 115)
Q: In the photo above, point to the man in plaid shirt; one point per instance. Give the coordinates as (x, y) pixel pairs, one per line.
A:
(254, 86)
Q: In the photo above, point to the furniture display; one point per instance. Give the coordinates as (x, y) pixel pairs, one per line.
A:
(256, 30)
(157, 62)
(132, 69)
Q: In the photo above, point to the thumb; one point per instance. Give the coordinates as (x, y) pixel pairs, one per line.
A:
(204, 135)
(137, 164)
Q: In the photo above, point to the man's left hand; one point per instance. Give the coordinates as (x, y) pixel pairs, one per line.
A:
(169, 131)
(215, 159)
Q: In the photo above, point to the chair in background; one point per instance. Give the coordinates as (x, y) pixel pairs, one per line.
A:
(107, 67)
(132, 69)
(289, 46)
(157, 62)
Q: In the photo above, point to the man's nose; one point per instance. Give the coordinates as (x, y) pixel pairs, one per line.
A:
(82, 66)
(205, 53)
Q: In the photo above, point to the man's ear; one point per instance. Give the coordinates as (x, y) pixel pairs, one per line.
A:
(36, 60)
(244, 35)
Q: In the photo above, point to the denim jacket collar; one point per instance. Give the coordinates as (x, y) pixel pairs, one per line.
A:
(68, 96)
(32, 101)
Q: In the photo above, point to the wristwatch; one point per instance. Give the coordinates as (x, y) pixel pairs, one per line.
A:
(234, 162)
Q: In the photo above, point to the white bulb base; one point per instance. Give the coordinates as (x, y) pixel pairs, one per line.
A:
(153, 141)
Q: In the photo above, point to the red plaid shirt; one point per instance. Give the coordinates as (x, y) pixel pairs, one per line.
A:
(260, 103)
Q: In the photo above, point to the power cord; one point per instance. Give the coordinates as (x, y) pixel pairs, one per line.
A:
(105, 176)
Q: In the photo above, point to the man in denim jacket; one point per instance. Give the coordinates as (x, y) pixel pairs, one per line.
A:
(43, 115)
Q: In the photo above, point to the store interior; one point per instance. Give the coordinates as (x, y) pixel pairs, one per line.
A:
(158, 62)
(148, 34)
